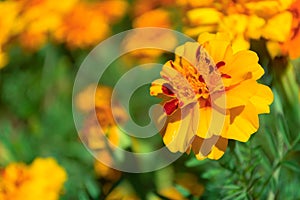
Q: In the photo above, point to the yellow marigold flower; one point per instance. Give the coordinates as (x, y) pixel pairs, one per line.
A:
(243, 20)
(9, 11)
(38, 18)
(201, 71)
(21, 182)
(100, 100)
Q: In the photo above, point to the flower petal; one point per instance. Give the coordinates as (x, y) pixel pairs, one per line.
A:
(180, 133)
(156, 87)
(259, 95)
(242, 66)
(212, 148)
(243, 122)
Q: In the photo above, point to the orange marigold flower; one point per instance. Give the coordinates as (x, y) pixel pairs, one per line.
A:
(21, 182)
(292, 45)
(78, 32)
(197, 83)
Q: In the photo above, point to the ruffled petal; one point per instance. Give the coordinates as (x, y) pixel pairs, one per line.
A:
(242, 66)
(180, 133)
(212, 148)
(243, 122)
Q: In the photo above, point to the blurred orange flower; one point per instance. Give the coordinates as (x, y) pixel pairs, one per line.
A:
(292, 45)
(100, 101)
(21, 182)
(76, 31)
(38, 18)
(89, 22)
(197, 83)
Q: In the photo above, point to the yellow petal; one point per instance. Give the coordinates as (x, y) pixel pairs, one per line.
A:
(260, 95)
(205, 118)
(278, 27)
(243, 122)
(217, 45)
(242, 66)
(202, 16)
(212, 148)
(156, 87)
(181, 132)
(262, 99)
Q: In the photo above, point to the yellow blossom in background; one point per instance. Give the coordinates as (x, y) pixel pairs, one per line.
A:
(78, 23)
(152, 18)
(39, 18)
(100, 100)
(243, 20)
(201, 70)
(43, 179)
(9, 11)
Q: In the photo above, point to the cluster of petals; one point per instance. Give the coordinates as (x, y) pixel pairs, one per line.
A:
(43, 179)
(275, 20)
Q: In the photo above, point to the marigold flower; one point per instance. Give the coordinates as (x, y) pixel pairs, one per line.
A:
(292, 45)
(37, 19)
(9, 11)
(21, 182)
(77, 32)
(243, 20)
(100, 100)
(196, 83)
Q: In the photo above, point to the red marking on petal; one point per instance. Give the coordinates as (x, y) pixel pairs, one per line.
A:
(171, 106)
(220, 64)
(225, 76)
(201, 79)
(167, 91)
(172, 65)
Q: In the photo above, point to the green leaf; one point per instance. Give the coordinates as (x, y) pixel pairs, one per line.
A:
(291, 165)
(193, 162)
(93, 188)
